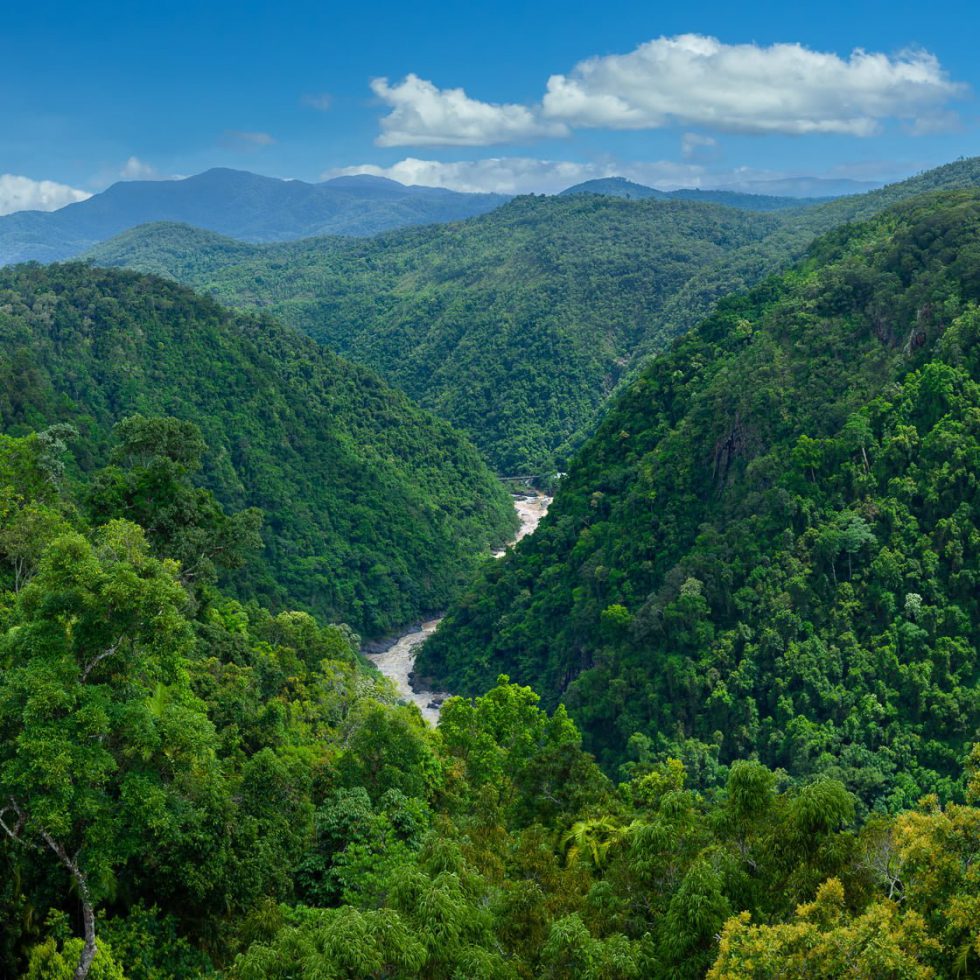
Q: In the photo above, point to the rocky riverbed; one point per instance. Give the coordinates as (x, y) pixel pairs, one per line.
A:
(396, 660)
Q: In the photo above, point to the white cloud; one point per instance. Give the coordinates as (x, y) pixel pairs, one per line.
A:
(697, 145)
(135, 169)
(423, 115)
(23, 194)
(783, 88)
(524, 175)
(690, 80)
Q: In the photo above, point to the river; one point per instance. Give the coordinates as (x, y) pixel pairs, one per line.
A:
(397, 660)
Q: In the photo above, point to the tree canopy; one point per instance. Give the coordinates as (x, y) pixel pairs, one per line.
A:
(376, 512)
(769, 546)
(517, 325)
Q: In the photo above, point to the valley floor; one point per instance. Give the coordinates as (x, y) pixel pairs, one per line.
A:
(397, 660)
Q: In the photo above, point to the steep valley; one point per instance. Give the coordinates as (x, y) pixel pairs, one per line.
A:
(715, 707)
(517, 325)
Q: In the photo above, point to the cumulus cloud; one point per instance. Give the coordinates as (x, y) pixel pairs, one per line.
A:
(24, 194)
(783, 88)
(689, 80)
(424, 115)
(524, 175)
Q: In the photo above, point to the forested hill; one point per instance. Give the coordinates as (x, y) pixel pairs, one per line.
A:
(770, 546)
(192, 787)
(237, 203)
(375, 511)
(515, 325)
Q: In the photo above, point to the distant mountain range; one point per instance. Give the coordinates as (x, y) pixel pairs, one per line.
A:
(252, 208)
(621, 187)
(806, 186)
(241, 205)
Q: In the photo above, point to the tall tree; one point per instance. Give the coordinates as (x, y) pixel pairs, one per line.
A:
(99, 733)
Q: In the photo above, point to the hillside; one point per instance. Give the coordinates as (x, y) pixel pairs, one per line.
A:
(621, 187)
(375, 511)
(769, 547)
(614, 187)
(515, 325)
(195, 788)
(236, 203)
(751, 263)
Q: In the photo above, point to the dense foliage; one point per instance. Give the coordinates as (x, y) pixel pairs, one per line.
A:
(236, 203)
(516, 325)
(194, 787)
(770, 546)
(376, 512)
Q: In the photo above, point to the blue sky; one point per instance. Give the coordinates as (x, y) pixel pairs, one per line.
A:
(551, 92)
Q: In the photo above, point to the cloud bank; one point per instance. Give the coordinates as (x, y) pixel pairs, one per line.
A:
(24, 194)
(689, 80)
(523, 175)
(526, 175)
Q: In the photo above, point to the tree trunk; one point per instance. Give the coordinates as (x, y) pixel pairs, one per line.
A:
(71, 863)
(88, 917)
(88, 910)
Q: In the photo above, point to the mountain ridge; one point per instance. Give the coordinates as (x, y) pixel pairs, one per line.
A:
(747, 201)
(243, 205)
(764, 548)
(510, 324)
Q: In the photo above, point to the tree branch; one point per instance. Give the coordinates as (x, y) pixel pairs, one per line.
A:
(14, 832)
(90, 948)
(95, 661)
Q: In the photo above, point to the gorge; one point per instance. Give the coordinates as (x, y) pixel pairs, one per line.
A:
(396, 659)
